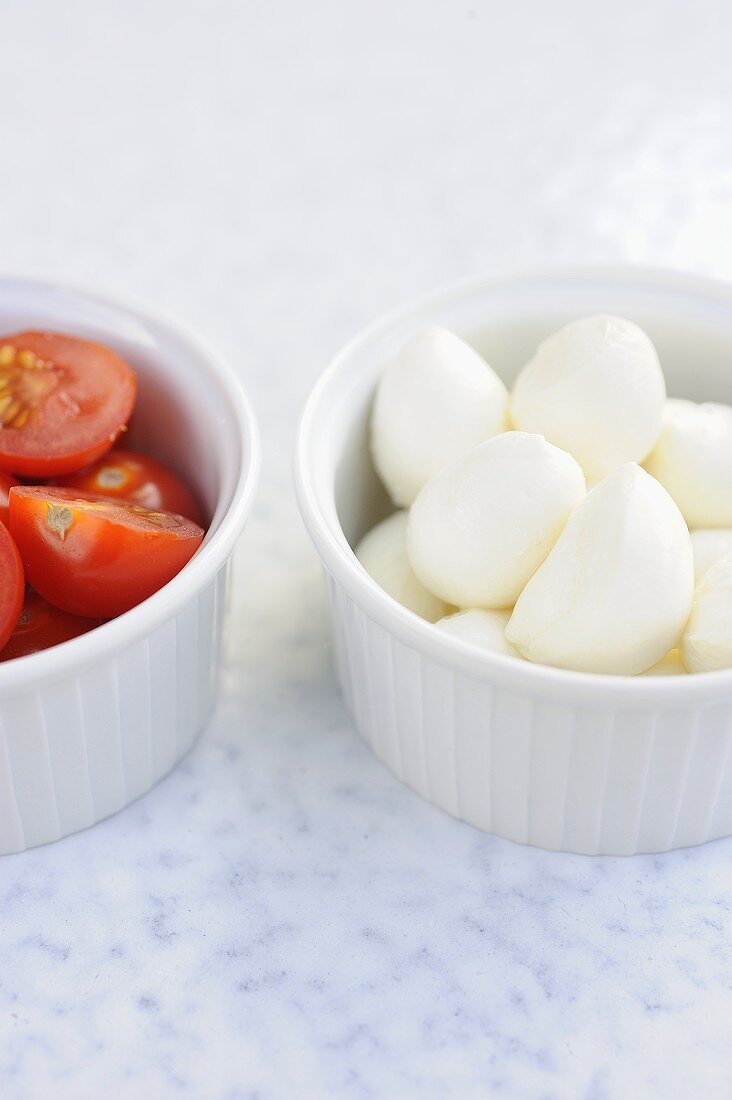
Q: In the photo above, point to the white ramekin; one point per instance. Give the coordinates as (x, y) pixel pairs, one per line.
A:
(563, 760)
(88, 726)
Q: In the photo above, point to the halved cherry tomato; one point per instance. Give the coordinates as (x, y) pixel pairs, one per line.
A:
(126, 475)
(63, 402)
(42, 625)
(92, 556)
(12, 585)
(6, 484)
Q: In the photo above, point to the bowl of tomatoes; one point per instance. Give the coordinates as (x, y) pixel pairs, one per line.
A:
(129, 460)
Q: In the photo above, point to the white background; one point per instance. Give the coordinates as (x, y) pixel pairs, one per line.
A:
(279, 918)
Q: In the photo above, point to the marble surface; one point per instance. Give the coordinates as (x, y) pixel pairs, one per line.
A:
(279, 918)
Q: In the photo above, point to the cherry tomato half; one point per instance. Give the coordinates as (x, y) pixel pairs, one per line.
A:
(42, 625)
(6, 484)
(126, 475)
(12, 585)
(93, 556)
(63, 402)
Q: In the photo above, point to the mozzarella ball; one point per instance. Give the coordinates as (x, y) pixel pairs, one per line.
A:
(485, 629)
(670, 665)
(707, 642)
(481, 527)
(615, 592)
(435, 401)
(709, 546)
(383, 554)
(596, 389)
(674, 406)
(693, 460)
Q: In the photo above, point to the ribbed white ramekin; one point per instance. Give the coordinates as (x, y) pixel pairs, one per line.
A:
(566, 761)
(88, 726)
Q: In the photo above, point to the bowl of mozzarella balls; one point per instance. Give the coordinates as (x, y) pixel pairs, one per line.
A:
(521, 494)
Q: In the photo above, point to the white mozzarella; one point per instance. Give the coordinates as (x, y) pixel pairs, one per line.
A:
(485, 629)
(383, 554)
(481, 527)
(707, 642)
(693, 460)
(614, 594)
(596, 389)
(709, 546)
(435, 401)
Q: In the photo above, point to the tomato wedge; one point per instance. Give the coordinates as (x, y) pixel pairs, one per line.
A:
(12, 585)
(63, 402)
(42, 625)
(6, 484)
(126, 475)
(93, 556)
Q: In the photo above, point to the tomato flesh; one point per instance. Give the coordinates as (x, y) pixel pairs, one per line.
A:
(126, 475)
(63, 402)
(93, 556)
(6, 484)
(12, 585)
(41, 625)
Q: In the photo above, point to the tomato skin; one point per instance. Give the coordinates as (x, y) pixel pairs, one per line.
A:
(12, 585)
(127, 475)
(68, 406)
(41, 625)
(6, 484)
(93, 556)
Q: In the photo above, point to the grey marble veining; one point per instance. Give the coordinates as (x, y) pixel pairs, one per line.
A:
(279, 918)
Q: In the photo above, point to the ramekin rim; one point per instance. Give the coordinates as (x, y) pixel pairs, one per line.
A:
(109, 638)
(344, 567)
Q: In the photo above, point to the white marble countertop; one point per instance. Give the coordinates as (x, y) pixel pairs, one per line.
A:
(280, 918)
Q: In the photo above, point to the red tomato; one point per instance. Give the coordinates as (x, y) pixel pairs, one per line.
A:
(6, 484)
(126, 475)
(12, 585)
(63, 402)
(41, 625)
(92, 556)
